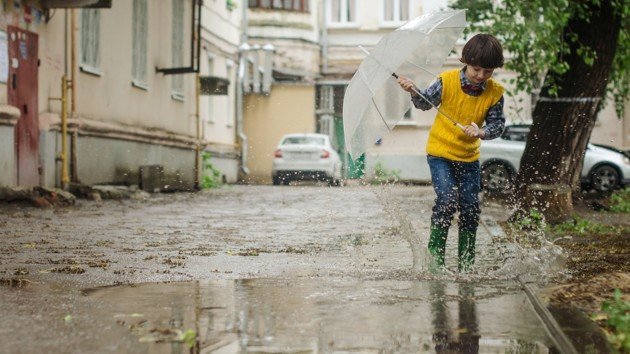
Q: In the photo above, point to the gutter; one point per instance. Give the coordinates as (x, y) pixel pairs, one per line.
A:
(242, 64)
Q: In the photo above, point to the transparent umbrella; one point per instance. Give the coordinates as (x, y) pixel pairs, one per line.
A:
(374, 102)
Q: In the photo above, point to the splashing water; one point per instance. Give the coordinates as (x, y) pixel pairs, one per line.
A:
(524, 251)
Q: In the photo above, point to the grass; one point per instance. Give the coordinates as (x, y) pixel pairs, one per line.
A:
(616, 313)
(620, 201)
(581, 226)
(385, 176)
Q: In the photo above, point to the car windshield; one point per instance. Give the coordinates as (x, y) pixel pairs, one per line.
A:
(303, 140)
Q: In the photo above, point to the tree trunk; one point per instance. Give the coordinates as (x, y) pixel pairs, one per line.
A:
(562, 125)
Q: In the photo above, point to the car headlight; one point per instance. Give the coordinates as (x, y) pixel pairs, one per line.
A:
(626, 160)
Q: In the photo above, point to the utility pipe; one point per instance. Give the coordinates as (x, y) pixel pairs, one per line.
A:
(74, 174)
(64, 133)
(198, 133)
(242, 66)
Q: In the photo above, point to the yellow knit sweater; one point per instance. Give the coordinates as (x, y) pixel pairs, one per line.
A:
(447, 140)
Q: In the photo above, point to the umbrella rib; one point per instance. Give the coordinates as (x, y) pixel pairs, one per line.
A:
(380, 114)
(364, 78)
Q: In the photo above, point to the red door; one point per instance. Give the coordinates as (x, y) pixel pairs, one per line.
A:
(22, 93)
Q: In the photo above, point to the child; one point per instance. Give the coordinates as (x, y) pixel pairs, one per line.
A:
(470, 97)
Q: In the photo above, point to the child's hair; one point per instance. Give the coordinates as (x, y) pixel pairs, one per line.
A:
(483, 50)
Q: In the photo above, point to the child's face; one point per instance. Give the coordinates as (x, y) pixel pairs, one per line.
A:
(477, 74)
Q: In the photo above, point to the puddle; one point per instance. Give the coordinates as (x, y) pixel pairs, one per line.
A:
(339, 315)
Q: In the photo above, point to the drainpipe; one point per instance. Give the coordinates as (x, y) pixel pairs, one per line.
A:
(242, 65)
(198, 121)
(64, 133)
(74, 175)
(324, 34)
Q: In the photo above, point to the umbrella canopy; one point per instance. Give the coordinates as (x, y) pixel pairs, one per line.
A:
(374, 102)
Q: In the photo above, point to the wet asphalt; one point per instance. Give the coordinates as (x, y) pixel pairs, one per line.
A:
(301, 268)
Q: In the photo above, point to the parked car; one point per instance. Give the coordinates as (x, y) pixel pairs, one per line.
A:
(604, 168)
(306, 157)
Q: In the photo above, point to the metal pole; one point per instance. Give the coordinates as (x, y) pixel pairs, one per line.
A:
(198, 133)
(74, 175)
(64, 133)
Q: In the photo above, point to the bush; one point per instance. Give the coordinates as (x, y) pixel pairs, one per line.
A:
(617, 312)
(384, 176)
(620, 201)
(210, 176)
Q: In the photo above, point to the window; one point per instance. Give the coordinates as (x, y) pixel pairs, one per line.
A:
(326, 99)
(395, 11)
(210, 98)
(177, 48)
(288, 5)
(343, 11)
(139, 54)
(229, 67)
(90, 40)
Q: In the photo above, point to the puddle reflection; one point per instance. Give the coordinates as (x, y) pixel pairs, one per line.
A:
(325, 316)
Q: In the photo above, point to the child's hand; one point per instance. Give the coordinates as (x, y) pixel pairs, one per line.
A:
(406, 84)
(474, 131)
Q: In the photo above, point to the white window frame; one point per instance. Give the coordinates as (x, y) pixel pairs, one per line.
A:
(140, 28)
(210, 98)
(229, 70)
(343, 21)
(90, 58)
(177, 48)
(327, 98)
(396, 15)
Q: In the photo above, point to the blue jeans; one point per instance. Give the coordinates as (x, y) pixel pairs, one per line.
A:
(456, 185)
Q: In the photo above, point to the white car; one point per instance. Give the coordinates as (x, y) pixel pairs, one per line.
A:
(604, 168)
(306, 157)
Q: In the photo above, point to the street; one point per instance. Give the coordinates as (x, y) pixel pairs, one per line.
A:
(303, 268)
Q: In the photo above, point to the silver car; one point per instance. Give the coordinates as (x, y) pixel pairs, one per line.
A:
(306, 157)
(604, 168)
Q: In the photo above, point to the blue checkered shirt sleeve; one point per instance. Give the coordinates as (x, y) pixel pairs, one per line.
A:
(433, 93)
(495, 121)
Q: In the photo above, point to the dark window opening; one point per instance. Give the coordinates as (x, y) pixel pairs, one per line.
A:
(287, 5)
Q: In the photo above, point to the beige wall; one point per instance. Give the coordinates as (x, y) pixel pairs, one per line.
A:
(289, 109)
(610, 129)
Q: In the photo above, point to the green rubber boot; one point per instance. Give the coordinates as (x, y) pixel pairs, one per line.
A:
(466, 250)
(437, 247)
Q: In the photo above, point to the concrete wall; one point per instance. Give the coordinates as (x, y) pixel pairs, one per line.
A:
(289, 109)
(106, 161)
(7, 156)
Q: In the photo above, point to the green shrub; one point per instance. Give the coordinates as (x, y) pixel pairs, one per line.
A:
(210, 176)
(384, 176)
(580, 226)
(617, 313)
(620, 201)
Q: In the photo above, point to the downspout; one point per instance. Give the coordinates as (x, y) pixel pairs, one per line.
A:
(324, 34)
(74, 174)
(198, 132)
(242, 65)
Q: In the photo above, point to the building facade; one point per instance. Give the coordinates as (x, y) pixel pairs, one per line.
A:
(130, 68)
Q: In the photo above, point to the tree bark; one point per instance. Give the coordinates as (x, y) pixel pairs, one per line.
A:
(562, 125)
